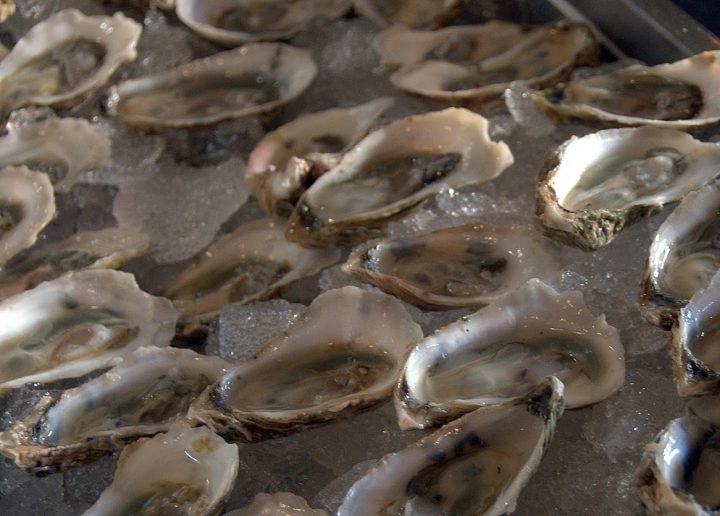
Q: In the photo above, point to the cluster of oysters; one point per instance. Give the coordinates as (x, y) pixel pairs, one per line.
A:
(490, 386)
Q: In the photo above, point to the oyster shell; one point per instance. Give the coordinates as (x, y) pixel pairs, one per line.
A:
(78, 323)
(186, 471)
(104, 249)
(680, 95)
(413, 13)
(288, 159)
(679, 472)
(64, 148)
(592, 187)
(502, 350)
(254, 79)
(475, 465)
(344, 354)
(234, 22)
(27, 205)
(683, 257)
(466, 265)
(151, 388)
(277, 504)
(392, 170)
(250, 264)
(63, 59)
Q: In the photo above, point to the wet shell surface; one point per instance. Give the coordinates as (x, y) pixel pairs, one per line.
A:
(344, 354)
(277, 504)
(412, 13)
(63, 59)
(680, 95)
(503, 350)
(592, 187)
(475, 465)
(391, 171)
(469, 265)
(251, 80)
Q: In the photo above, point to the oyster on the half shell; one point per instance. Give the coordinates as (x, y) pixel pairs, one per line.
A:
(277, 504)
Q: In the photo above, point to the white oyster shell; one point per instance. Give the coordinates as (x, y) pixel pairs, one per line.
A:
(392, 170)
(343, 354)
(413, 13)
(234, 22)
(502, 350)
(475, 465)
(78, 323)
(251, 80)
(27, 205)
(285, 160)
(277, 504)
(592, 187)
(63, 59)
(187, 471)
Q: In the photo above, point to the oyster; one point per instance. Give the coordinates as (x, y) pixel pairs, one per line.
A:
(63, 59)
(343, 354)
(151, 388)
(254, 79)
(104, 249)
(679, 472)
(7, 9)
(392, 170)
(504, 349)
(413, 13)
(683, 257)
(278, 504)
(64, 148)
(287, 160)
(234, 22)
(680, 95)
(250, 264)
(186, 471)
(591, 187)
(78, 323)
(476, 465)
(459, 266)
(27, 205)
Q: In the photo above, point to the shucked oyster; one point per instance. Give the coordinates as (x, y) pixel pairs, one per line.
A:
(344, 354)
(287, 160)
(504, 349)
(476, 465)
(151, 388)
(234, 22)
(27, 205)
(413, 13)
(254, 79)
(392, 170)
(459, 266)
(680, 95)
(593, 186)
(63, 59)
(187, 471)
(78, 323)
(683, 256)
(277, 504)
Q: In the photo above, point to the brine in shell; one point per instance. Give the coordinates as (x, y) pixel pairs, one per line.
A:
(391, 171)
(680, 95)
(342, 355)
(590, 188)
(504, 349)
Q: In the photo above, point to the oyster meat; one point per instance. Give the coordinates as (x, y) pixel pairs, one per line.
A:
(683, 257)
(344, 354)
(391, 171)
(76, 324)
(187, 471)
(680, 95)
(467, 265)
(251, 80)
(592, 187)
(234, 22)
(63, 59)
(277, 504)
(27, 205)
(504, 349)
(413, 13)
(151, 388)
(475, 465)
(287, 160)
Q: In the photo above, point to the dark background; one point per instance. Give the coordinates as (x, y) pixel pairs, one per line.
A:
(706, 12)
